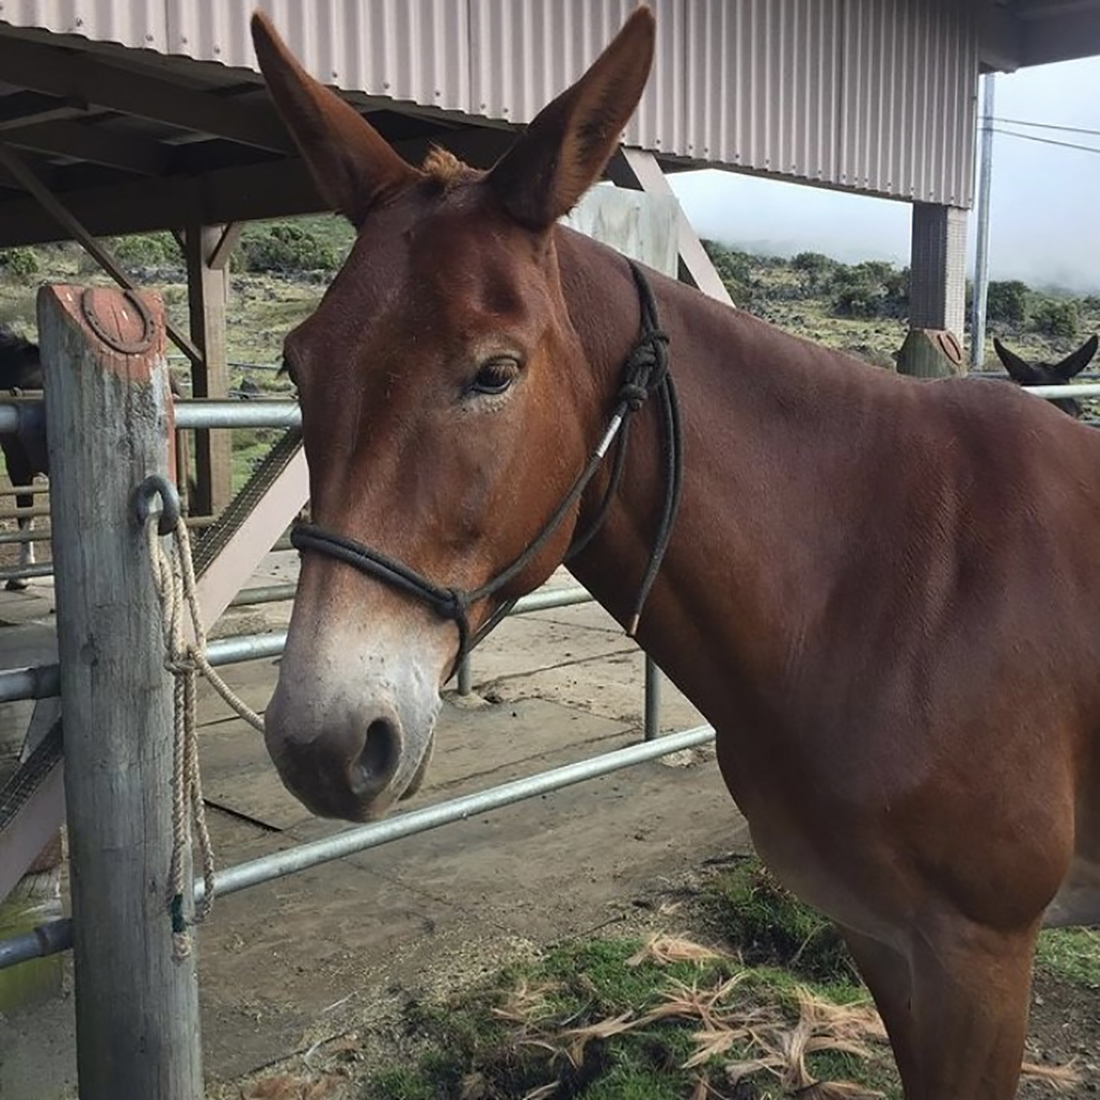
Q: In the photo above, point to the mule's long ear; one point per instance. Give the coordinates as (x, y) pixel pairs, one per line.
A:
(566, 147)
(1019, 369)
(351, 163)
(1078, 360)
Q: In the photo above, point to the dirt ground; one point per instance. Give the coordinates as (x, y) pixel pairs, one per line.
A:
(292, 966)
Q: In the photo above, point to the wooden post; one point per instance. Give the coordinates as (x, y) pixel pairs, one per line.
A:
(207, 289)
(109, 423)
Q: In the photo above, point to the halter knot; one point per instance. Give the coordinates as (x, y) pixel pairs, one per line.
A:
(647, 364)
(633, 395)
(453, 603)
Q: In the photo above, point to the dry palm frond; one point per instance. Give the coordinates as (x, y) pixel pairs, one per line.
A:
(711, 1044)
(1061, 1078)
(664, 949)
(857, 1021)
(542, 1091)
(526, 1003)
(704, 1090)
(689, 1002)
(737, 1071)
(580, 1037)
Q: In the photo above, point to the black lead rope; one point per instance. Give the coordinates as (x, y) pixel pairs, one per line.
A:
(645, 374)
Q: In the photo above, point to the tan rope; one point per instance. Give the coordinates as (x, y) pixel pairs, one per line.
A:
(174, 574)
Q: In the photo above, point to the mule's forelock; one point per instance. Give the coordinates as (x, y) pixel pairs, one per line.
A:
(444, 169)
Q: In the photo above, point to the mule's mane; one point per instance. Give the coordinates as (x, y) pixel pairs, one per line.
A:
(443, 168)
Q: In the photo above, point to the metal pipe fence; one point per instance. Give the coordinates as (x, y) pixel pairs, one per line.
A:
(261, 413)
(43, 681)
(26, 572)
(56, 936)
(36, 534)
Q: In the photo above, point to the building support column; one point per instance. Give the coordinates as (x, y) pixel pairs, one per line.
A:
(208, 291)
(937, 292)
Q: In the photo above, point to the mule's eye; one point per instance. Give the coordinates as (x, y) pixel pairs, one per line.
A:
(495, 376)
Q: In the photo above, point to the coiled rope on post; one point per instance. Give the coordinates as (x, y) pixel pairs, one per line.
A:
(174, 573)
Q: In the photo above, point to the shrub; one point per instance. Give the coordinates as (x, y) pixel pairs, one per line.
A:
(1006, 301)
(815, 268)
(869, 289)
(19, 263)
(1055, 317)
(147, 250)
(285, 247)
(734, 268)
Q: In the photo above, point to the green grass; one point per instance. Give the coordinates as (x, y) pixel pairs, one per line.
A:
(772, 928)
(470, 1050)
(1071, 955)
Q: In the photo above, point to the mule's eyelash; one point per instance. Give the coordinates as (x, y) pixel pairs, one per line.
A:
(494, 377)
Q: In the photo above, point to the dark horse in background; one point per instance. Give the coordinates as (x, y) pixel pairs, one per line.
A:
(1049, 374)
(24, 456)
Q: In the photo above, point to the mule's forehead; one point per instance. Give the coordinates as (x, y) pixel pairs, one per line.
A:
(438, 264)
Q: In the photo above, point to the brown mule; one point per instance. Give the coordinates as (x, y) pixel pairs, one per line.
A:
(889, 612)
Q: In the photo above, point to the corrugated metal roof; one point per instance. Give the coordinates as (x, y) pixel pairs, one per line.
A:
(875, 95)
(140, 24)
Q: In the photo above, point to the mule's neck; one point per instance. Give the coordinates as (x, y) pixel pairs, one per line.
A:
(772, 427)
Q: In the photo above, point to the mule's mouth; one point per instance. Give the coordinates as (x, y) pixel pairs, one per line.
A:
(421, 772)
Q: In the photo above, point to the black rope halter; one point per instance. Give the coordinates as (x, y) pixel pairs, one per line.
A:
(645, 374)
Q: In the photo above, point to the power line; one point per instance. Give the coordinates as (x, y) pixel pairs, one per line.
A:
(1048, 141)
(1049, 126)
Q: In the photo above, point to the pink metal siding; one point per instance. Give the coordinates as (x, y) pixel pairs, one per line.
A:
(140, 24)
(874, 95)
(412, 50)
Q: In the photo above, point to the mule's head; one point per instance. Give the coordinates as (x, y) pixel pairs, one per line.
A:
(1049, 374)
(446, 410)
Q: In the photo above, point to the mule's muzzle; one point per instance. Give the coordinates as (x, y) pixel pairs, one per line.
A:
(344, 772)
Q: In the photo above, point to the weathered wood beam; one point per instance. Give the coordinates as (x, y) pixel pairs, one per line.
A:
(78, 77)
(639, 170)
(116, 697)
(223, 249)
(206, 295)
(15, 165)
(94, 144)
(245, 193)
(22, 108)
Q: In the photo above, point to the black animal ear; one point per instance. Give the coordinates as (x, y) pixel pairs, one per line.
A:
(1020, 370)
(1076, 361)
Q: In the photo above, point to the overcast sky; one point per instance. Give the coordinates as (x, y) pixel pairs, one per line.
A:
(1045, 212)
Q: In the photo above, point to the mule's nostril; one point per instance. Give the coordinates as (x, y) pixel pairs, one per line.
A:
(379, 758)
